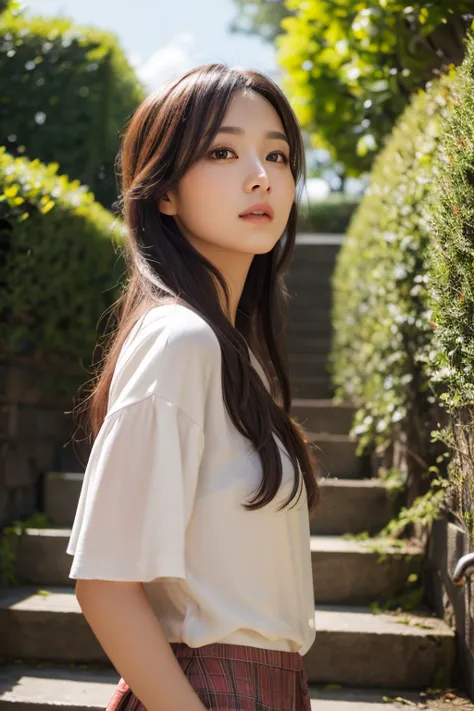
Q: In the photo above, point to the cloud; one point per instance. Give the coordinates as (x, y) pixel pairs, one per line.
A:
(171, 60)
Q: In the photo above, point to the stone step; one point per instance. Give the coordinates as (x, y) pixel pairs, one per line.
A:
(60, 496)
(353, 646)
(307, 326)
(357, 647)
(353, 506)
(325, 241)
(42, 688)
(306, 299)
(309, 293)
(307, 304)
(343, 571)
(307, 364)
(310, 254)
(319, 275)
(316, 260)
(309, 276)
(311, 281)
(337, 458)
(350, 573)
(324, 415)
(317, 329)
(320, 295)
(314, 344)
(300, 328)
(313, 257)
(346, 505)
(321, 270)
(311, 387)
(325, 698)
(29, 688)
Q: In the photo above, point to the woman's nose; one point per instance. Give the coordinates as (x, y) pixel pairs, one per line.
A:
(258, 176)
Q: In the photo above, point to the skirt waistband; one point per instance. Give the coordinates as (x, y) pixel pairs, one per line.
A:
(241, 652)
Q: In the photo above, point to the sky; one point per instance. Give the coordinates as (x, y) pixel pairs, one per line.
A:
(163, 39)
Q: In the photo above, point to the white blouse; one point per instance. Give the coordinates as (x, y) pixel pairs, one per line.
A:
(161, 500)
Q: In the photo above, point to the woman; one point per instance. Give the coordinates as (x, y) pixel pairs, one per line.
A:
(200, 597)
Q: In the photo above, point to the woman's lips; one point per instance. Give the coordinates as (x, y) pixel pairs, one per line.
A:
(257, 219)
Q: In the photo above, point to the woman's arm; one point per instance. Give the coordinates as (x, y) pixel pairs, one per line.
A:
(126, 627)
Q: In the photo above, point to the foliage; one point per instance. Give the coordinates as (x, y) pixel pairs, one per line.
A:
(450, 360)
(262, 17)
(451, 266)
(403, 297)
(65, 93)
(9, 542)
(58, 268)
(352, 66)
(381, 313)
(424, 510)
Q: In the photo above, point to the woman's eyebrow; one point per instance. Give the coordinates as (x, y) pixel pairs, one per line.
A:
(238, 130)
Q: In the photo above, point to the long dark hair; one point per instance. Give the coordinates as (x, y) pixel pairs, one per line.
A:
(169, 131)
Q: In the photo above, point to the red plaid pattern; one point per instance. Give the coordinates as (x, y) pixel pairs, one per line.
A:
(234, 676)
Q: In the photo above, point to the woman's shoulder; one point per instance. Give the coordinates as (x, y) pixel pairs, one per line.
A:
(170, 351)
(183, 326)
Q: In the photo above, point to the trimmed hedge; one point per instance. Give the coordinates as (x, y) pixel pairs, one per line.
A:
(381, 311)
(59, 263)
(451, 360)
(403, 292)
(65, 94)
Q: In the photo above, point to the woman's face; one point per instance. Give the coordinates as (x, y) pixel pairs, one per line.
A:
(239, 170)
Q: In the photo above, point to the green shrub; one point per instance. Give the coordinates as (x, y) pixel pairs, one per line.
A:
(452, 245)
(65, 94)
(351, 67)
(381, 309)
(59, 263)
(404, 299)
(450, 361)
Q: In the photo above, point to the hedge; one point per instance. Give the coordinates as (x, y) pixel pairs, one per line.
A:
(66, 92)
(403, 302)
(451, 360)
(381, 308)
(60, 263)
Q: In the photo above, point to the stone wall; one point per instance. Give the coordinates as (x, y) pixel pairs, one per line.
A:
(34, 436)
(447, 543)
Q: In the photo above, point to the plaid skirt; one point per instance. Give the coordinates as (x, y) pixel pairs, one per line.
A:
(234, 676)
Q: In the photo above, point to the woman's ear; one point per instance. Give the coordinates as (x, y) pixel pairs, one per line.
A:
(167, 204)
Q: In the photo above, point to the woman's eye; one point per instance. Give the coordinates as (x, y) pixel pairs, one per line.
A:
(279, 153)
(216, 151)
(220, 150)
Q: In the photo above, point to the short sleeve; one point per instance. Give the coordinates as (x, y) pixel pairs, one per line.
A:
(137, 494)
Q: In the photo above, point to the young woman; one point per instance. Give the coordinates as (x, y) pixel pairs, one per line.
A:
(200, 597)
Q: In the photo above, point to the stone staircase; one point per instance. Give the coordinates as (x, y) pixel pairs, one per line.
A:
(360, 659)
